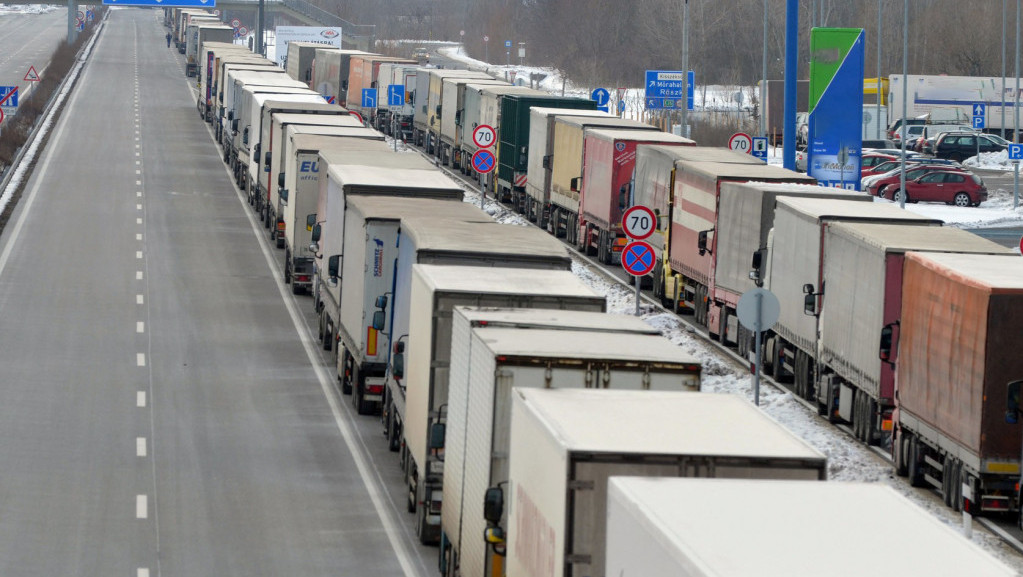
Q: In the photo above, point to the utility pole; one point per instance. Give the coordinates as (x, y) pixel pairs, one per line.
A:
(685, 68)
(763, 82)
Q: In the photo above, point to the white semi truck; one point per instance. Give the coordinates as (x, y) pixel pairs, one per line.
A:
(567, 444)
(489, 357)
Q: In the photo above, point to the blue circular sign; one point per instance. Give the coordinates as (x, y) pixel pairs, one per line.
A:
(483, 161)
(638, 258)
(601, 95)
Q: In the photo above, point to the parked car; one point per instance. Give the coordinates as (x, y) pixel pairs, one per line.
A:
(962, 145)
(949, 186)
(887, 184)
(871, 160)
(914, 130)
(802, 128)
(899, 122)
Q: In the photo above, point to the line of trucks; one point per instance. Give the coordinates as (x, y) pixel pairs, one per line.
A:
(483, 352)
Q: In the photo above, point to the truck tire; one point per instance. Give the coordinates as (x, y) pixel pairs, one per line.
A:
(393, 434)
(915, 466)
(347, 372)
(899, 447)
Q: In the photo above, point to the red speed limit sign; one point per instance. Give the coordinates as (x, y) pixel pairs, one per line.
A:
(639, 222)
(741, 142)
(484, 136)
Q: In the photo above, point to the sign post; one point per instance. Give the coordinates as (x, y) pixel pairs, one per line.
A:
(638, 223)
(602, 96)
(484, 136)
(1015, 155)
(483, 162)
(758, 310)
(638, 260)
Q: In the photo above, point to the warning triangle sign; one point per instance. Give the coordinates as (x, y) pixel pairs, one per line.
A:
(32, 75)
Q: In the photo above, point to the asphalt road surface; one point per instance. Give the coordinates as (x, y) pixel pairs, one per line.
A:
(165, 411)
(28, 41)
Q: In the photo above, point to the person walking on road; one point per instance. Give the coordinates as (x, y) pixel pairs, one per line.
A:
(168, 39)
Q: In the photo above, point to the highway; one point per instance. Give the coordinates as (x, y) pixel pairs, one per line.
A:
(166, 411)
(28, 40)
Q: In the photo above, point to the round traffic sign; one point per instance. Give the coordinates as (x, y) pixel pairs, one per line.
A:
(758, 310)
(638, 258)
(235, 23)
(639, 222)
(357, 116)
(1020, 238)
(484, 136)
(243, 31)
(486, 39)
(2, 119)
(601, 95)
(742, 142)
(461, 32)
(483, 161)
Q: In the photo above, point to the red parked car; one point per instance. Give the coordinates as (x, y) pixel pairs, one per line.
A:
(872, 160)
(949, 186)
(887, 184)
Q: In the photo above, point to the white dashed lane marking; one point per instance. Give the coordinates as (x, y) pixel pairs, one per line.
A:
(141, 507)
(140, 399)
(140, 446)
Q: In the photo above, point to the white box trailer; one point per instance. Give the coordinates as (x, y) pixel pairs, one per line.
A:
(567, 444)
(262, 169)
(330, 72)
(211, 53)
(795, 259)
(488, 361)
(435, 290)
(388, 174)
(452, 125)
(299, 60)
(863, 265)
(249, 97)
(301, 183)
(737, 528)
(427, 119)
(404, 75)
(367, 275)
(235, 77)
(541, 157)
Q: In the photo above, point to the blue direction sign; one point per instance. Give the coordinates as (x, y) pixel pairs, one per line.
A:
(1016, 152)
(979, 114)
(9, 96)
(638, 258)
(663, 89)
(507, 43)
(602, 96)
(369, 97)
(760, 147)
(395, 95)
(163, 3)
(483, 161)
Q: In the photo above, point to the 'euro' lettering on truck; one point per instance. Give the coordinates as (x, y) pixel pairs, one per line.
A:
(308, 166)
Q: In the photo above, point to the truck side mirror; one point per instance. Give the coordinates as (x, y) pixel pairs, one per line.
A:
(701, 242)
(547, 161)
(378, 320)
(315, 237)
(398, 365)
(574, 184)
(310, 221)
(266, 159)
(493, 505)
(756, 273)
(623, 197)
(458, 118)
(245, 136)
(230, 115)
(381, 302)
(284, 195)
(885, 348)
(234, 125)
(280, 180)
(1012, 405)
(333, 266)
(437, 436)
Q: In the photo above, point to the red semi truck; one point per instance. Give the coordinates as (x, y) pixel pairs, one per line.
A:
(609, 159)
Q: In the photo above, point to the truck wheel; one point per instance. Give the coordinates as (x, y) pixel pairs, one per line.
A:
(347, 372)
(957, 486)
(328, 336)
(873, 436)
(422, 527)
(899, 455)
(393, 433)
(915, 466)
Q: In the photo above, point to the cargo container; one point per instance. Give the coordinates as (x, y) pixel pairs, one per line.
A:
(513, 140)
(427, 117)
(453, 129)
(687, 263)
(299, 194)
(263, 170)
(487, 360)
(234, 77)
(211, 53)
(863, 266)
(736, 528)
(541, 159)
(955, 350)
(436, 106)
(490, 114)
(418, 396)
(403, 75)
(385, 174)
(566, 444)
(200, 32)
(190, 39)
(363, 74)
(609, 160)
(299, 62)
(367, 276)
(794, 272)
(185, 18)
(247, 110)
(567, 171)
(330, 72)
(472, 116)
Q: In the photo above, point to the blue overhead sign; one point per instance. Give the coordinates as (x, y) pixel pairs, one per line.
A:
(369, 97)
(163, 3)
(396, 95)
(9, 96)
(664, 89)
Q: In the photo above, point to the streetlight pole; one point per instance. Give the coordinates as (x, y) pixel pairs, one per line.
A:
(763, 83)
(877, 85)
(685, 68)
(1001, 100)
(905, 113)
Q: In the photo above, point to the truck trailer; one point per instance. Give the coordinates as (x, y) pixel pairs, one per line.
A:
(363, 74)
(453, 127)
(419, 393)
(427, 116)
(489, 358)
(955, 352)
(541, 159)
(736, 528)
(567, 444)
(330, 73)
